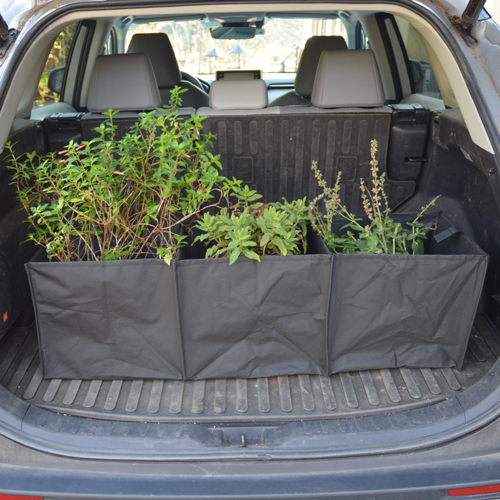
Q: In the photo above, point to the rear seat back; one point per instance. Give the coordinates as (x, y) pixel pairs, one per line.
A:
(238, 98)
(347, 78)
(124, 83)
(158, 48)
(308, 64)
(273, 152)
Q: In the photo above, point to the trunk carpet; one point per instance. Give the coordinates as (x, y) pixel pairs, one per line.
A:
(275, 399)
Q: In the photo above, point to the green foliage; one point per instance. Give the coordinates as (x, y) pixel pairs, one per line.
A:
(58, 58)
(250, 228)
(382, 235)
(112, 198)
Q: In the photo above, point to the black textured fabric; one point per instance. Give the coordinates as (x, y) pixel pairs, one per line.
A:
(107, 320)
(252, 319)
(389, 311)
(304, 314)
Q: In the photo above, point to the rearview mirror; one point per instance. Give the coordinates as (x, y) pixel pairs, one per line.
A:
(235, 32)
(55, 82)
(417, 72)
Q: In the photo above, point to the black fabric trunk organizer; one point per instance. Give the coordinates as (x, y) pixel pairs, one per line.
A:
(306, 314)
(392, 311)
(109, 320)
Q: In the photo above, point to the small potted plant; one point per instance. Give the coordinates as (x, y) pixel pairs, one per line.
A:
(108, 213)
(404, 291)
(254, 302)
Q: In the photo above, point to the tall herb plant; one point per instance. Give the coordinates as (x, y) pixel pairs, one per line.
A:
(382, 234)
(111, 198)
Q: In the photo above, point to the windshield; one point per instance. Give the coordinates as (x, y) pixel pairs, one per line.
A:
(276, 51)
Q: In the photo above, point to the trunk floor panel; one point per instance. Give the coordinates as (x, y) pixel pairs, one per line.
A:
(274, 399)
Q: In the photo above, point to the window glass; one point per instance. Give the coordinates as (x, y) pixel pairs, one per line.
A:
(278, 50)
(110, 45)
(362, 41)
(421, 70)
(49, 87)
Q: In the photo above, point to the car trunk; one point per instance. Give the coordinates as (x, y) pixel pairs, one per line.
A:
(280, 415)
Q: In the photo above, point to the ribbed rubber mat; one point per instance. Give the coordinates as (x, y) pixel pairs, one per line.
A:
(274, 153)
(279, 399)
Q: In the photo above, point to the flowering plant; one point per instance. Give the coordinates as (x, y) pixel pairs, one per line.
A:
(382, 235)
(122, 198)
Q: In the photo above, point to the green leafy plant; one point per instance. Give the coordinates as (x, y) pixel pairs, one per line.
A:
(250, 228)
(382, 235)
(111, 198)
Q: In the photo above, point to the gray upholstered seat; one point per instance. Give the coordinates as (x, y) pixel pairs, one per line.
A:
(304, 79)
(345, 82)
(158, 48)
(124, 83)
(347, 79)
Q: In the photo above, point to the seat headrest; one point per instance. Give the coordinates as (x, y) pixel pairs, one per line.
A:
(158, 48)
(304, 79)
(242, 94)
(347, 78)
(123, 82)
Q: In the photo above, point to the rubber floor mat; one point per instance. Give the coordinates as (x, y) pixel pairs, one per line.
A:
(274, 399)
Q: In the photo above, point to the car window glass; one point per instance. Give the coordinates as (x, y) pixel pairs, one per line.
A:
(278, 50)
(421, 71)
(362, 41)
(110, 45)
(49, 87)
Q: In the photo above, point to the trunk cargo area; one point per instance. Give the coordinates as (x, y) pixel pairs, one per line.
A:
(351, 413)
(263, 400)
